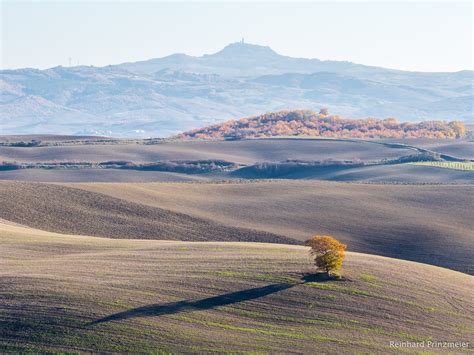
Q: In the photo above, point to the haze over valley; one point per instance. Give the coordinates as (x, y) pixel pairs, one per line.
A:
(164, 96)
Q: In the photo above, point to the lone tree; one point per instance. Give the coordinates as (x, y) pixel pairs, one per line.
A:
(328, 252)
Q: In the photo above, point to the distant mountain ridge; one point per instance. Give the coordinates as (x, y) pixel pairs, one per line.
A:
(243, 60)
(164, 96)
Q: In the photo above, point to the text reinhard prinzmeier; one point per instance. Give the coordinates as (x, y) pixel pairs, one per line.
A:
(430, 344)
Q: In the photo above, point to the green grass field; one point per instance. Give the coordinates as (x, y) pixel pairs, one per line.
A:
(468, 165)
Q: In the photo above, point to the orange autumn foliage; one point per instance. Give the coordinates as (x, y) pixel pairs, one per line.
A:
(309, 123)
(328, 252)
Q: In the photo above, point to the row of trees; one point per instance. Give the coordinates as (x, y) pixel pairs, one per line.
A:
(309, 123)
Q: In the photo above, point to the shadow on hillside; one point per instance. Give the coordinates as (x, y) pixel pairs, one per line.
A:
(189, 306)
(321, 277)
(211, 302)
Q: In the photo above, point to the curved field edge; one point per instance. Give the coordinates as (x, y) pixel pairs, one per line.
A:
(386, 174)
(70, 210)
(426, 223)
(241, 152)
(98, 162)
(76, 293)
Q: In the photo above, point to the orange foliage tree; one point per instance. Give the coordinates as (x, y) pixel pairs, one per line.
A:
(322, 124)
(328, 252)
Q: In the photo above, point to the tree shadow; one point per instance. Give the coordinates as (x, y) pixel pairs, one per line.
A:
(321, 277)
(211, 302)
(189, 306)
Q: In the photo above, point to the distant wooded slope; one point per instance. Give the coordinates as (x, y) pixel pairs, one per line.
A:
(309, 123)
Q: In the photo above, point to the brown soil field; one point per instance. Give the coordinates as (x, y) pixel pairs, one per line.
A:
(461, 148)
(399, 173)
(69, 210)
(66, 293)
(244, 152)
(98, 175)
(426, 223)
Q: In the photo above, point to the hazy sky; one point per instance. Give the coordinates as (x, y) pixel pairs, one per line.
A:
(425, 36)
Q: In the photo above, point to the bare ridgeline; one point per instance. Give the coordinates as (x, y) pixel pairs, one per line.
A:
(194, 244)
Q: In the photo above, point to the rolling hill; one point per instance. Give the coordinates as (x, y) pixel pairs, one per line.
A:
(79, 159)
(380, 174)
(82, 212)
(429, 224)
(239, 151)
(67, 293)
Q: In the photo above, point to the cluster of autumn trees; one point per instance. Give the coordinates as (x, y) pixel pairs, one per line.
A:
(309, 123)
